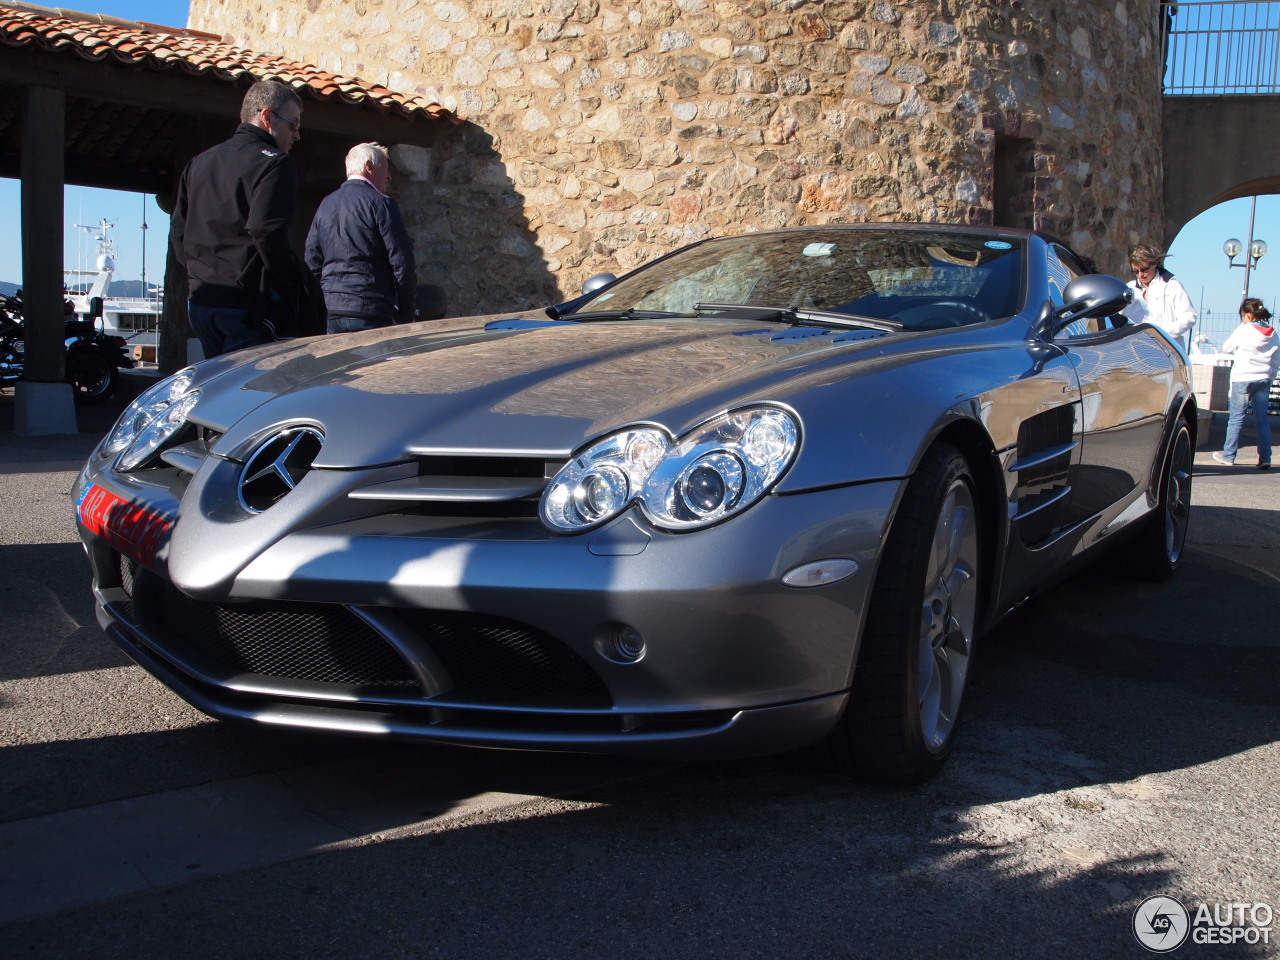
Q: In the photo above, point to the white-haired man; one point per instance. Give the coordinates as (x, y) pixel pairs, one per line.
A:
(359, 250)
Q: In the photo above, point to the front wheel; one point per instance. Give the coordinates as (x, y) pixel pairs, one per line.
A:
(93, 377)
(916, 648)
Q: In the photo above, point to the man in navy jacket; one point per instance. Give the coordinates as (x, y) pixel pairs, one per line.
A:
(359, 249)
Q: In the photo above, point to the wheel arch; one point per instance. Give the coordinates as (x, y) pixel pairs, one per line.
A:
(972, 440)
(1184, 408)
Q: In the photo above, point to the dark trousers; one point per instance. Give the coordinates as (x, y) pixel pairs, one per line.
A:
(223, 329)
(354, 324)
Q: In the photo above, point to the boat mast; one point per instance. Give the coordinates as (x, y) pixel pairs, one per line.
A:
(145, 292)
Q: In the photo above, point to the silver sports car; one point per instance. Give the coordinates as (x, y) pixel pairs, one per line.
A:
(762, 493)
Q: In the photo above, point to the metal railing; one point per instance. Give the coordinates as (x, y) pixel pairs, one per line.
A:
(1215, 328)
(1221, 47)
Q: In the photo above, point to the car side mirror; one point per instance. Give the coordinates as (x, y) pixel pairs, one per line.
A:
(597, 281)
(1092, 296)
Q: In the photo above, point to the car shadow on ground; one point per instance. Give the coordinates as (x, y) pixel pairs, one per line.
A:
(748, 859)
(751, 858)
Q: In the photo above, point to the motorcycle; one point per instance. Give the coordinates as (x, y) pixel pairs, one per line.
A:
(11, 352)
(93, 358)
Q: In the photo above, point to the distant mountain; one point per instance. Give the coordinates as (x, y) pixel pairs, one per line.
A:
(9, 289)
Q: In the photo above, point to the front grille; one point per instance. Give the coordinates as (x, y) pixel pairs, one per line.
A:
(445, 465)
(526, 509)
(491, 660)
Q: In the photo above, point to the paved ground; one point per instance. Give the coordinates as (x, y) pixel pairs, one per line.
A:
(1122, 741)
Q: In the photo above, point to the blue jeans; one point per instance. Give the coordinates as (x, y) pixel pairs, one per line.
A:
(223, 329)
(1242, 394)
(354, 324)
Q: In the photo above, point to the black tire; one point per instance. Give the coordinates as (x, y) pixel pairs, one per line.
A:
(93, 377)
(917, 644)
(1156, 550)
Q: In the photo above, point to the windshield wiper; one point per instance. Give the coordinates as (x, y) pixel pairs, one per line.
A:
(795, 315)
(626, 314)
(742, 311)
(849, 319)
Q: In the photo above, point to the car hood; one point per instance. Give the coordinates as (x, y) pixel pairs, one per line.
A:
(510, 384)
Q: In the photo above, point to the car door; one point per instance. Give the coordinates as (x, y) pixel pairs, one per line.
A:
(1125, 378)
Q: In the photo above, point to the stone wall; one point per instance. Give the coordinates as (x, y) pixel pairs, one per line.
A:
(602, 133)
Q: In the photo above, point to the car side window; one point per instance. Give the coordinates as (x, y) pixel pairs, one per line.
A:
(1060, 274)
(1063, 267)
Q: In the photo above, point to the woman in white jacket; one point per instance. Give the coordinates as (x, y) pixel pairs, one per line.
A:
(1158, 298)
(1256, 356)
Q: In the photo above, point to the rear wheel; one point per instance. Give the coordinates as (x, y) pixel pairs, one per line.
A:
(914, 661)
(1157, 548)
(93, 377)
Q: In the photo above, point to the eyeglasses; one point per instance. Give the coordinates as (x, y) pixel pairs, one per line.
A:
(1146, 268)
(293, 124)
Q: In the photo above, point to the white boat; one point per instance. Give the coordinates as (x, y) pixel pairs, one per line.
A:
(136, 319)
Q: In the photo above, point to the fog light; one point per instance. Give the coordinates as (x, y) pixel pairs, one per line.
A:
(820, 573)
(618, 642)
(625, 644)
(628, 645)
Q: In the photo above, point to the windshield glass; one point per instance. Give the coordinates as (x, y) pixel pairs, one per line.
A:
(923, 279)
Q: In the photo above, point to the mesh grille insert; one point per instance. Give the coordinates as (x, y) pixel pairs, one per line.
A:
(318, 642)
(491, 660)
(491, 657)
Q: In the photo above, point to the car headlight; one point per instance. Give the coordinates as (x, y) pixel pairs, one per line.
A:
(603, 480)
(150, 421)
(718, 469)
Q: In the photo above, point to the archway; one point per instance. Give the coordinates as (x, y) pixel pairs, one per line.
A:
(1217, 149)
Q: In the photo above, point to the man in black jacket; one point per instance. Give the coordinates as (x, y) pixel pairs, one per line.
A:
(359, 249)
(230, 227)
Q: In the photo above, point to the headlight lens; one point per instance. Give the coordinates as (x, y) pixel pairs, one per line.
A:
(600, 482)
(150, 421)
(715, 471)
(708, 488)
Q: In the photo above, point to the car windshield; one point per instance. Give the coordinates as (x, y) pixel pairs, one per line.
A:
(920, 279)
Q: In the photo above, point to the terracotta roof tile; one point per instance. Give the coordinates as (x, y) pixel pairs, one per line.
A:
(174, 49)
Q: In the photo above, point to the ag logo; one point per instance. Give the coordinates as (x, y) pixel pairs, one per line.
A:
(1161, 924)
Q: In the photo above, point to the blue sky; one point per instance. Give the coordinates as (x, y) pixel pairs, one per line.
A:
(1195, 256)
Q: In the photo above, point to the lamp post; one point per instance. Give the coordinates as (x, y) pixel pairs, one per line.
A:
(1257, 249)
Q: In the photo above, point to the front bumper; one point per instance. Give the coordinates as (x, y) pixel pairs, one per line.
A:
(496, 634)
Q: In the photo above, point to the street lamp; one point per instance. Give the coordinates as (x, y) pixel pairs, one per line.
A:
(1232, 249)
(1257, 250)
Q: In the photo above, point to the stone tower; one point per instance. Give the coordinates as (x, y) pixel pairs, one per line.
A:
(603, 133)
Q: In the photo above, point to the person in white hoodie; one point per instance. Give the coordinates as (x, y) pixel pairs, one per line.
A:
(1158, 298)
(1255, 350)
